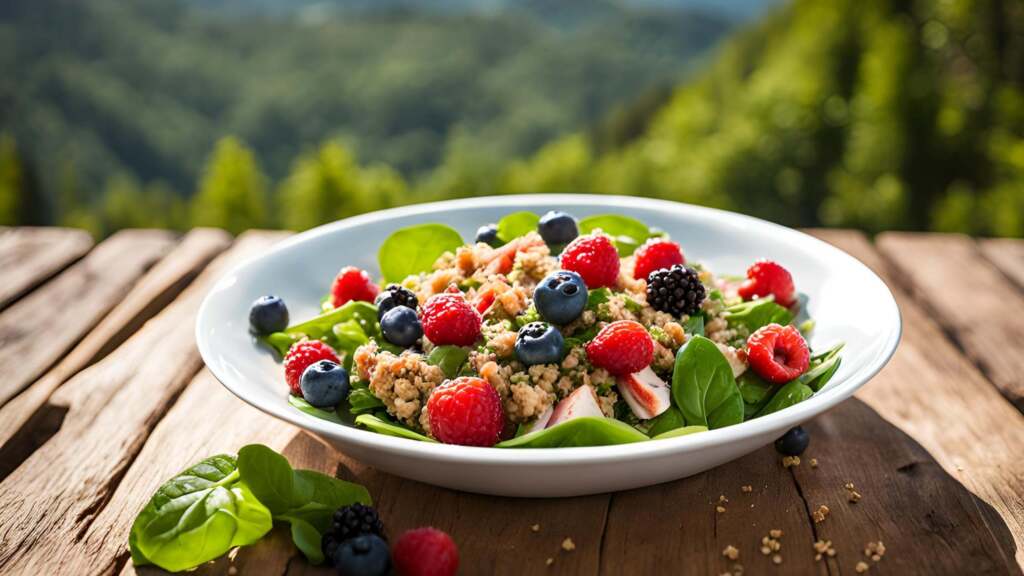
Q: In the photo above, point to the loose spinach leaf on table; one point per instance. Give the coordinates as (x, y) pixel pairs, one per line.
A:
(757, 313)
(703, 387)
(448, 358)
(380, 425)
(583, 431)
(793, 392)
(198, 515)
(516, 224)
(684, 431)
(627, 233)
(414, 250)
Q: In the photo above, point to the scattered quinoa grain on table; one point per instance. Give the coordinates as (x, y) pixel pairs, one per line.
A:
(814, 462)
(747, 489)
(790, 461)
(820, 514)
(731, 552)
(535, 528)
(568, 545)
(862, 567)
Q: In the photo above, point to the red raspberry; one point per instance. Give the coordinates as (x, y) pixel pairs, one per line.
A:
(593, 257)
(449, 319)
(351, 283)
(622, 347)
(300, 356)
(655, 254)
(425, 552)
(778, 354)
(766, 277)
(466, 411)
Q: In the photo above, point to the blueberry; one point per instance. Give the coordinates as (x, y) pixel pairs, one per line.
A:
(324, 384)
(794, 442)
(539, 343)
(561, 297)
(394, 295)
(488, 234)
(366, 555)
(557, 228)
(401, 326)
(268, 314)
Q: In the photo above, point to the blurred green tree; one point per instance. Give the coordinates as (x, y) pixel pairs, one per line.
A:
(11, 189)
(233, 190)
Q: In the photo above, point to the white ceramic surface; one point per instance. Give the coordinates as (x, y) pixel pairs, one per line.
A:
(848, 302)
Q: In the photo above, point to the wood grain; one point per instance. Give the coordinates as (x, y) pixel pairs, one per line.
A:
(146, 298)
(1008, 255)
(39, 329)
(934, 394)
(975, 304)
(48, 502)
(30, 256)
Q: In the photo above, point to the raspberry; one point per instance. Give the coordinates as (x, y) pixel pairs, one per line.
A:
(594, 258)
(766, 277)
(655, 254)
(351, 283)
(448, 319)
(622, 347)
(778, 354)
(676, 290)
(349, 522)
(425, 552)
(300, 356)
(466, 411)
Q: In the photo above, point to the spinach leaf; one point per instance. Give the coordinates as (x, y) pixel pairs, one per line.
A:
(301, 404)
(757, 313)
(516, 224)
(684, 431)
(597, 297)
(694, 325)
(755, 392)
(348, 336)
(528, 315)
(198, 515)
(448, 358)
(361, 400)
(703, 387)
(280, 341)
(344, 329)
(583, 431)
(414, 249)
(581, 338)
(793, 392)
(822, 367)
(627, 233)
(382, 426)
(307, 539)
(666, 421)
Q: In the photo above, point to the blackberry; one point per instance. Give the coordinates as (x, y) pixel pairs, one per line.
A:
(676, 290)
(393, 296)
(349, 522)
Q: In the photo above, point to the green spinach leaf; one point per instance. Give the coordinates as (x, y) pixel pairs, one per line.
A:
(414, 250)
(583, 431)
(382, 426)
(757, 313)
(597, 297)
(448, 358)
(516, 224)
(628, 233)
(793, 392)
(822, 367)
(694, 325)
(684, 431)
(361, 400)
(307, 539)
(703, 387)
(755, 392)
(666, 421)
(301, 404)
(198, 515)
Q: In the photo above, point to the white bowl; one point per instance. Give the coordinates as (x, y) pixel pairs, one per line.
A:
(848, 302)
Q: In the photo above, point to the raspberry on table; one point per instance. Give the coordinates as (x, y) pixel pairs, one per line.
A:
(655, 254)
(425, 552)
(777, 353)
(449, 320)
(593, 257)
(300, 356)
(766, 277)
(466, 411)
(351, 283)
(622, 347)
(676, 290)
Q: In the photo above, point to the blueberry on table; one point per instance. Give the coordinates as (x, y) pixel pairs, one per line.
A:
(557, 228)
(366, 555)
(488, 234)
(401, 326)
(794, 442)
(324, 384)
(539, 343)
(268, 314)
(561, 297)
(392, 296)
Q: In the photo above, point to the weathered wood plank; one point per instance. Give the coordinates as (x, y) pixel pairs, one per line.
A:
(968, 297)
(36, 331)
(29, 256)
(1008, 255)
(146, 298)
(938, 397)
(112, 406)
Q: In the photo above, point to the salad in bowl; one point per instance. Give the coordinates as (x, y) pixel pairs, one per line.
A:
(547, 331)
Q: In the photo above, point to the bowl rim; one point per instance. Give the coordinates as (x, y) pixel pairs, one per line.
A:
(448, 453)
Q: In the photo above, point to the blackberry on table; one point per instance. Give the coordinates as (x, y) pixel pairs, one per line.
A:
(349, 522)
(676, 290)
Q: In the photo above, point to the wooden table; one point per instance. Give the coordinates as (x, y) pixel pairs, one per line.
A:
(103, 396)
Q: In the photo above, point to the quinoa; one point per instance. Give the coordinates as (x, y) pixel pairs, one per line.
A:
(403, 382)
